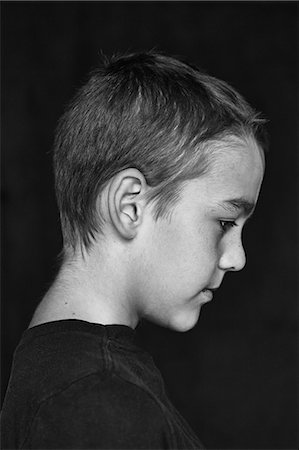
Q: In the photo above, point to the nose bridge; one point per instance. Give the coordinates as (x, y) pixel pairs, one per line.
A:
(233, 256)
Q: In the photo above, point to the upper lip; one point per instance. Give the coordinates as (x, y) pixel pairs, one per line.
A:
(212, 289)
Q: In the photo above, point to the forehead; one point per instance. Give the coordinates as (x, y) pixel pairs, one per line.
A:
(236, 171)
(233, 151)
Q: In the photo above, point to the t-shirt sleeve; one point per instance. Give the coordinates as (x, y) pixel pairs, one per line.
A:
(99, 413)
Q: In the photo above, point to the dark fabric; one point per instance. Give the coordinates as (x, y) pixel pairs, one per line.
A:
(80, 385)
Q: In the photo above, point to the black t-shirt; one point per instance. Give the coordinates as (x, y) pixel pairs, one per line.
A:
(76, 385)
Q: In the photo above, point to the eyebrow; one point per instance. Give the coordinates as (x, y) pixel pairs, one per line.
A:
(237, 204)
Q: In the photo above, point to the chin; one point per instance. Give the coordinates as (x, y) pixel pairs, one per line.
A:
(183, 322)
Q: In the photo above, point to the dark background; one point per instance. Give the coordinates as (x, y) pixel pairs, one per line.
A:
(234, 375)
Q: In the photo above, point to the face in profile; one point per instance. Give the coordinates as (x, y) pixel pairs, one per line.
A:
(185, 258)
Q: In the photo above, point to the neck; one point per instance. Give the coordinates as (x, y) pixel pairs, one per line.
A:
(87, 290)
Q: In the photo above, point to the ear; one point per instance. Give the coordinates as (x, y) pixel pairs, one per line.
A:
(125, 202)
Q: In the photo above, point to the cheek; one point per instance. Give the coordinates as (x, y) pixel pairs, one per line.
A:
(176, 267)
(185, 255)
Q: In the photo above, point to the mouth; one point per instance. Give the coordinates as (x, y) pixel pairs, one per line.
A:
(207, 295)
(212, 289)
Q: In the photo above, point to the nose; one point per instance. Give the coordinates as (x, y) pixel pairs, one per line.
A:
(233, 256)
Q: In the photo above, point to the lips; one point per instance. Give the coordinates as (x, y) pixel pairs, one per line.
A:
(207, 295)
(213, 289)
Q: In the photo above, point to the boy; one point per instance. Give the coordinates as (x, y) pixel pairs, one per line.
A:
(157, 167)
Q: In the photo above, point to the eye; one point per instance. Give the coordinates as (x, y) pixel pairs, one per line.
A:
(226, 225)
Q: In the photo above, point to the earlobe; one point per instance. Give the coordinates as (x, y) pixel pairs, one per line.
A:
(125, 202)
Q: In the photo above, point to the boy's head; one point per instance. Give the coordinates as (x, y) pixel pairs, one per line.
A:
(148, 112)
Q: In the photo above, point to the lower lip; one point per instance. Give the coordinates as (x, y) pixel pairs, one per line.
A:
(206, 295)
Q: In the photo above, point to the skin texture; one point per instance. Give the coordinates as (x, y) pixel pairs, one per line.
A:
(160, 270)
(195, 250)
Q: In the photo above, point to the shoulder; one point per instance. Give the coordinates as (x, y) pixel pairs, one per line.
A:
(98, 411)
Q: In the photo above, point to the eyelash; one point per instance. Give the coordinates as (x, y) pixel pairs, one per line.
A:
(227, 224)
